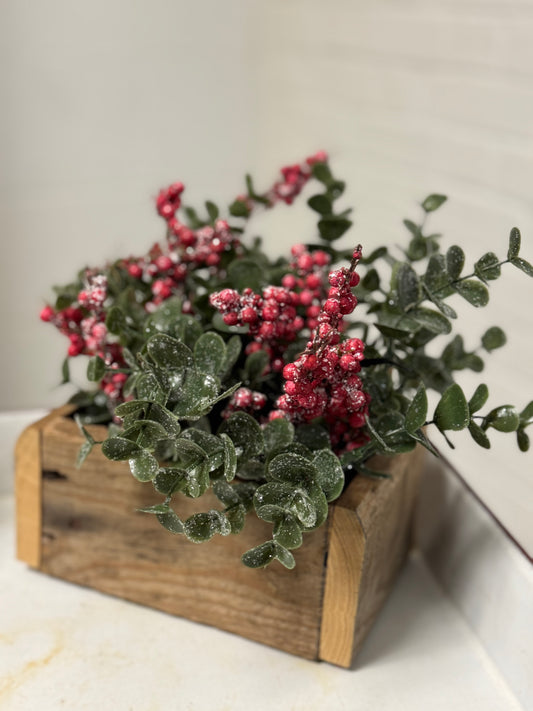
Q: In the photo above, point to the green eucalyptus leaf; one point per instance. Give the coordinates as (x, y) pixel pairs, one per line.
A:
(393, 332)
(212, 210)
(262, 555)
(321, 172)
(321, 204)
(166, 419)
(202, 527)
(149, 433)
(475, 293)
(246, 434)
(488, 267)
(198, 393)
(413, 228)
(169, 353)
(408, 287)
(115, 320)
(155, 509)
(287, 531)
(312, 436)
(95, 369)
(65, 372)
(239, 208)
(144, 466)
(132, 407)
(320, 504)
(278, 433)
(272, 497)
(432, 320)
(284, 556)
(227, 393)
(474, 362)
(371, 280)
(442, 306)
(416, 414)
(493, 338)
(514, 244)
(255, 365)
(236, 517)
(503, 419)
(293, 468)
(246, 273)
(148, 388)
(233, 350)
(330, 475)
(211, 445)
(478, 399)
(304, 508)
(332, 227)
(119, 449)
(433, 202)
(478, 435)
(230, 457)
(186, 329)
(526, 416)
(226, 493)
(436, 273)
(250, 469)
(452, 411)
(170, 479)
(524, 266)
(455, 261)
(83, 453)
(522, 439)
(210, 353)
(171, 521)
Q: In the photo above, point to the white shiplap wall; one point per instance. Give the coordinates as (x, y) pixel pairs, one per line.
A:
(412, 97)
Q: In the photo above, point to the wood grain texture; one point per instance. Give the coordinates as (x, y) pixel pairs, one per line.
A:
(28, 473)
(93, 535)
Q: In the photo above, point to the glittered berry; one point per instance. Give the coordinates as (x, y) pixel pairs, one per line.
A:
(332, 307)
(47, 314)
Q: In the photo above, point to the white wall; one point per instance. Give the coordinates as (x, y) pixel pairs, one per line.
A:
(103, 102)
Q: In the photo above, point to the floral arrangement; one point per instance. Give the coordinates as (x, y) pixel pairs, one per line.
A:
(219, 368)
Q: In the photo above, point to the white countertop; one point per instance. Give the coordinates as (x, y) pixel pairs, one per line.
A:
(62, 646)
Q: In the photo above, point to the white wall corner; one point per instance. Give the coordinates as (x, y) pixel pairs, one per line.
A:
(488, 577)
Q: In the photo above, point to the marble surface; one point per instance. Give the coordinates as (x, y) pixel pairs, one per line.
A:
(62, 646)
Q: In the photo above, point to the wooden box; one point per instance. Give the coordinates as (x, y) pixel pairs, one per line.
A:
(82, 526)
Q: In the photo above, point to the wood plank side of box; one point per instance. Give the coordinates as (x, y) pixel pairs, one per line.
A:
(83, 526)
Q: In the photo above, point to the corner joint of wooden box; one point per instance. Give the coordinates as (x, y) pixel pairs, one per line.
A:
(341, 589)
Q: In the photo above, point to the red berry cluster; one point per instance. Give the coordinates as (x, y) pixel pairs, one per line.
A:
(245, 399)
(168, 201)
(272, 317)
(201, 247)
(308, 277)
(205, 245)
(323, 381)
(84, 325)
(294, 179)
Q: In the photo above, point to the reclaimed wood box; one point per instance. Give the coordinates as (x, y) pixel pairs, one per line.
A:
(82, 526)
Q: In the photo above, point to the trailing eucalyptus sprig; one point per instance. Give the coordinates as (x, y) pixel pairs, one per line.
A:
(220, 369)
